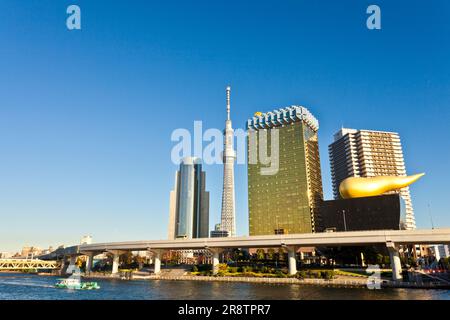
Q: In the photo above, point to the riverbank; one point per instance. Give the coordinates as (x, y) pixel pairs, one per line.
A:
(348, 282)
(318, 282)
(339, 282)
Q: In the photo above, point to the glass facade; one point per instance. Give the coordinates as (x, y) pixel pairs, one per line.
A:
(192, 201)
(288, 201)
(186, 201)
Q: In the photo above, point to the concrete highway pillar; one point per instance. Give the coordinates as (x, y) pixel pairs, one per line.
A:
(396, 265)
(89, 262)
(292, 260)
(72, 267)
(116, 256)
(215, 259)
(157, 258)
(157, 254)
(395, 262)
(63, 265)
(115, 266)
(302, 255)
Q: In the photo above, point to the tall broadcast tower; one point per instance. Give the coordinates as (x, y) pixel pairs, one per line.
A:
(228, 217)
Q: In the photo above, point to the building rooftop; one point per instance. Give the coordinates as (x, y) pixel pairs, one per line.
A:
(282, 116)
(344, 131)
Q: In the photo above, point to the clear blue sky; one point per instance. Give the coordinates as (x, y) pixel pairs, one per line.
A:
(86, 116)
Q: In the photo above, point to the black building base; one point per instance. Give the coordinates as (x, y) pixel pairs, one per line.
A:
(362, 214)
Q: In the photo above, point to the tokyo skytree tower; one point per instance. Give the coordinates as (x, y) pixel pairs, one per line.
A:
(228, 217)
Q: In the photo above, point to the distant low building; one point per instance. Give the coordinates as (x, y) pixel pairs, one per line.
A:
(6, 255)
(439, 251)
(47, 251)
(30, 252)
(218, 232)
(86, 240)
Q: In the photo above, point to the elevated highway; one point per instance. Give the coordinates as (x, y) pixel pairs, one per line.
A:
(392, 239)
(351, 238)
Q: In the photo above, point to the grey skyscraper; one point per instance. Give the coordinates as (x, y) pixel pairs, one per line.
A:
(368, 153)
(228, 217)
(189, 202)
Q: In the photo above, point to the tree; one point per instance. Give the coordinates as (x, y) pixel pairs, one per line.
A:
(260, 254)
(223, 267)
(126, 258)
(139, 261)
(379, 259)
(281, 253)
(237, 255)
(271, 254)
(79, 262)
(446, 263)
(175, 257)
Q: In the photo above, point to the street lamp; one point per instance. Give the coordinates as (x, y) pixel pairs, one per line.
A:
(345, 223)
(278, 231)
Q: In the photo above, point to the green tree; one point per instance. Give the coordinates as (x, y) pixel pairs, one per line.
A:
(281, 253)
(260, 254)
(223, 267)
(79, 262)
(139, 259)
(238, 255)
(175, 257)
(271, 254)
(447, 263)
(379, 259)
(126, 258)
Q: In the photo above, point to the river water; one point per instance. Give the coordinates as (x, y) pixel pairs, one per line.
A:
(15, 286)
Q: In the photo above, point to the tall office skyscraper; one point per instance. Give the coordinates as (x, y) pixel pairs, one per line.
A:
(228, 217)
(189, 202)
(287, 201)
(367, 153)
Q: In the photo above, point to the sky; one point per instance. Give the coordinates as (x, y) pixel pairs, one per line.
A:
(86, 116)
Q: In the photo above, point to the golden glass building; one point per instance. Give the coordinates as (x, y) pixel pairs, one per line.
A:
(285, 200)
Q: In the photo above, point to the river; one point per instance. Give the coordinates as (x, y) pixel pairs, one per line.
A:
(15, 286)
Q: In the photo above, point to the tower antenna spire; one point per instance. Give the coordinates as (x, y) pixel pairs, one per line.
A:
(228, 216)
(228, 102)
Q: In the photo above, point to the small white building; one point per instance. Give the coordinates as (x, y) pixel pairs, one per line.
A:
(6, 255)
(86, 240)
(440, 251)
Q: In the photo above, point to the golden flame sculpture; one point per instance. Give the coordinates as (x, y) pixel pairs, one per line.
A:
(356, 187)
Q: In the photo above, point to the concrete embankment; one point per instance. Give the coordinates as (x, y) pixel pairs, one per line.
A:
(339, 282)
(319, 282)
(349, 282)
(334, 282)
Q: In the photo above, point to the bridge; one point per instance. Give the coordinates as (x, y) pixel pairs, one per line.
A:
(27, 264)
(392, 239)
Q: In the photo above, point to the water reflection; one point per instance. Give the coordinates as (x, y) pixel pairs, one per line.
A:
(18, 286)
